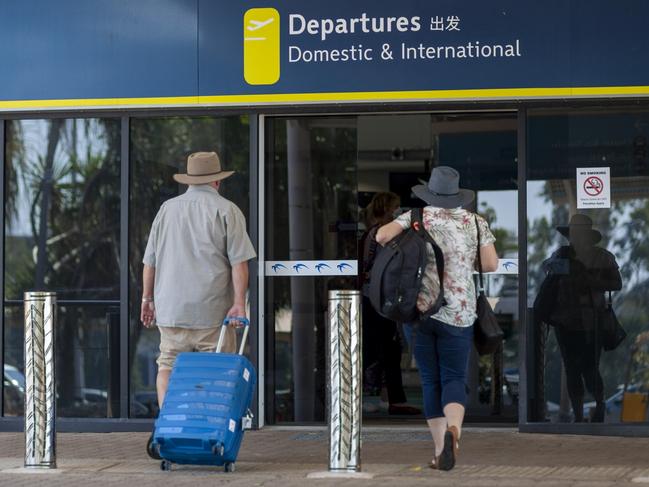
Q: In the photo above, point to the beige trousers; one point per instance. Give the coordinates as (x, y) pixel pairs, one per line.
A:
(174, 340)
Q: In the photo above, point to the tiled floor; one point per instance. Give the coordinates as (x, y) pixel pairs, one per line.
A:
(499, 457)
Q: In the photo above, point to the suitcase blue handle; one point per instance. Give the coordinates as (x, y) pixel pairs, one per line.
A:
(241, 319)
(246, 326)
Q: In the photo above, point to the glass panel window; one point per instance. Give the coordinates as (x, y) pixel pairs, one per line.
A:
(62, 207)
(588, 259)
(87, 364)
(159, 149)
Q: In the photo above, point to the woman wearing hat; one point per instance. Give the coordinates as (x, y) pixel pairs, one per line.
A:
(580, 273)
(442, 342)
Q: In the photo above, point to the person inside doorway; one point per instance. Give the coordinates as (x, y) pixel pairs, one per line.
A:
(381, 337)
(443, 342)
(572, 295)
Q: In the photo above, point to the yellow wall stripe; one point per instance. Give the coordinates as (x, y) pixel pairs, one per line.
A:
(365, 96)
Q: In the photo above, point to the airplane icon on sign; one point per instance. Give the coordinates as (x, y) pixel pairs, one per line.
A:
(258, 24)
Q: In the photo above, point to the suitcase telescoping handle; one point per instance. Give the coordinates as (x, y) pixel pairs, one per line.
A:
(246, 326)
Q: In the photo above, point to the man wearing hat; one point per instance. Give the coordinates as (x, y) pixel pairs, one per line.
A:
(578, 275)
(195, 266)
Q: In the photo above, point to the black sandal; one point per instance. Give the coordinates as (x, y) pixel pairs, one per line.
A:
(446, 460)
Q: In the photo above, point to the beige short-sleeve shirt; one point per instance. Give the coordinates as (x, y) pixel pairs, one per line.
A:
(194, 241)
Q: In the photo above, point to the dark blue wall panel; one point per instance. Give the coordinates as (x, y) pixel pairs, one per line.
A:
(168, 48)
(53, 49)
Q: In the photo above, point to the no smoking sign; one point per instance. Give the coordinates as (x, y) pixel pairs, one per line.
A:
(593, 187)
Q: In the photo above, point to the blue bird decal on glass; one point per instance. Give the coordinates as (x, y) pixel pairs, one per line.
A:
(321, 265)
(299, 266)
(277, 267)
(342, 266)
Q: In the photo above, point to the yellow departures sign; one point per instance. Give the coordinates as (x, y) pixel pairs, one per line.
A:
(261, 46)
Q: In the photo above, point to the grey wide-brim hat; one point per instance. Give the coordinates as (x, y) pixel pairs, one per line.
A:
(443, 189)
(202, 168)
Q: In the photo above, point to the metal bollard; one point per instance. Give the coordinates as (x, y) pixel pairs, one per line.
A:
(345, 381)
(40, 394)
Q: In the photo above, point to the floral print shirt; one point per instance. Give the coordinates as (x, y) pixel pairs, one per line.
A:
(454, 230)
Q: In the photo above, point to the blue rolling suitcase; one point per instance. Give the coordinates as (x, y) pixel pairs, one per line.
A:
(206, 408)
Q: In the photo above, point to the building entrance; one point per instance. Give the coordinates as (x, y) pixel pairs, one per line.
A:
(321, 173)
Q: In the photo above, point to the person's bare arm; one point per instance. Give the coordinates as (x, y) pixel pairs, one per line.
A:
(240, 284)
(388, 232)
(147, 310)
(489, 258)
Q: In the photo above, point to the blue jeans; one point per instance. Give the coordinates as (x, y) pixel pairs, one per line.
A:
(442, 355)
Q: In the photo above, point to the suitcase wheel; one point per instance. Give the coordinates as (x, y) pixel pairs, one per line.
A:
(165, 465)
(229, 467)
(153, 450)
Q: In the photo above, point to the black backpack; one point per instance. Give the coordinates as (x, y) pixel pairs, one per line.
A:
(398, 270)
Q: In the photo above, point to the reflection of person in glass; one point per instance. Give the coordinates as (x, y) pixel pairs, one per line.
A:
(381, 338)
(580, 274)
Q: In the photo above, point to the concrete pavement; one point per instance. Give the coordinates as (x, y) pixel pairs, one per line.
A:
(396, 456)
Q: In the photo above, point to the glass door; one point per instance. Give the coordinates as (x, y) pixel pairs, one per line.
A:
(483, 148)
(396, 152)
(311, 225)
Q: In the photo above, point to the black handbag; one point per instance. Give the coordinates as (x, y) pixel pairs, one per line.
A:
(487, 334)
(611, 331)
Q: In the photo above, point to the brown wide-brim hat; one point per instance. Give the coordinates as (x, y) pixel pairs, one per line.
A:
(202, 168)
